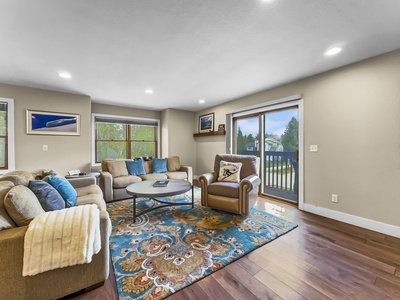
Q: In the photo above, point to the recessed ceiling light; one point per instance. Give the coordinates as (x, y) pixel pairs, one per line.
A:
(149, 91)
(333, 51)
(202, 101)
(65, 75)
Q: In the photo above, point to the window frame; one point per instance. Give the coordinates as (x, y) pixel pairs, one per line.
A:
(116, 118)
(10, 138)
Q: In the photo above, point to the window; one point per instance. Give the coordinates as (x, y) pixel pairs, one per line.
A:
(6, 135)
(124, 137)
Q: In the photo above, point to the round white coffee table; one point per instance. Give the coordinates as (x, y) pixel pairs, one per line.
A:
(146, 189)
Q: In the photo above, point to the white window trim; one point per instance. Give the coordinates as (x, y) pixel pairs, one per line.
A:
(11, 135)
(117, 117)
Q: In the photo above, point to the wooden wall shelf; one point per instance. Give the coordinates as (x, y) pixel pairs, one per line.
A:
(219, 132)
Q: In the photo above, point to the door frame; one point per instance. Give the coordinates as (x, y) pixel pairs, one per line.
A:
(291, 101)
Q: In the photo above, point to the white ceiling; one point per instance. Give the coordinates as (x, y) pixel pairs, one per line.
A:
(185, 50)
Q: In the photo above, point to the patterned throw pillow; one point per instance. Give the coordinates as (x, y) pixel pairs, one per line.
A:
(229, 171)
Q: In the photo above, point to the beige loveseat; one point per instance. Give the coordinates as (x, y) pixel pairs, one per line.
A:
(59, 282)
(115, 178)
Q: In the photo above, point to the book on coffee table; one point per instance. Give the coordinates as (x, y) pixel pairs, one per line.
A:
(161, 183)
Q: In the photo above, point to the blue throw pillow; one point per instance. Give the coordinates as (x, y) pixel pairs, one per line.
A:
(48, 196)
(135, 167)
(65, 189)
(160, 165)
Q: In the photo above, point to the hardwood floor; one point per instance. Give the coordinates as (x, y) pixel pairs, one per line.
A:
(320, 259)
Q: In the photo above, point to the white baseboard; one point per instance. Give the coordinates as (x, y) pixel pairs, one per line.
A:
(354, 220)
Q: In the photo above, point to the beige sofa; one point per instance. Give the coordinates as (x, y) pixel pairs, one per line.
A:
(59, 282)
(114, 176)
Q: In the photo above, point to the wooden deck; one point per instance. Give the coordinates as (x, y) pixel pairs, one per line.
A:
(321, 259)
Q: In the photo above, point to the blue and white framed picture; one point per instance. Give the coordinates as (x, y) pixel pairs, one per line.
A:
(206, 123)
(52, 123)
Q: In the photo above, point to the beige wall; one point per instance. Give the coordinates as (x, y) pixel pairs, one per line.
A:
(177, 128)
(64, 152)
(353, 114)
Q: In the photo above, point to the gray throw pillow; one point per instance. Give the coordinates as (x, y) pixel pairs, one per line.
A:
(47, 195)
(22, 205)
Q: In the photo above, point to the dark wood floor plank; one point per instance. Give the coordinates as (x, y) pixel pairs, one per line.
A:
(213, 289)
(248, 265)
(322, 258)
(233, 286)
(252, 284)
(293, 277)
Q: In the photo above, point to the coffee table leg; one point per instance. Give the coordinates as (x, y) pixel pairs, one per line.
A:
(134, 209)
(192, 197)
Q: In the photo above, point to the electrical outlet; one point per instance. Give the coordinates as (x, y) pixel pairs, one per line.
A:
(313, 148)
(335, 198)
(45, 148)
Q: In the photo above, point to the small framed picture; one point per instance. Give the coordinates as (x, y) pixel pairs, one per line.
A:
(52, 123)
(221, 127)
(206, 123)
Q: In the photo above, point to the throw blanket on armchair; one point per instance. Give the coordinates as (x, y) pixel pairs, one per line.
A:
(61, 238)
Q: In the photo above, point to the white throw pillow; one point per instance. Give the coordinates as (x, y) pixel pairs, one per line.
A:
(229, 171)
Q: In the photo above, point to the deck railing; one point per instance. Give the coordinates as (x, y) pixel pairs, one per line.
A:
(279, 173)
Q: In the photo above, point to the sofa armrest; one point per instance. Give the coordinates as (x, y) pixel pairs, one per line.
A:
(106, 185)
(81, 182)
(189, 172)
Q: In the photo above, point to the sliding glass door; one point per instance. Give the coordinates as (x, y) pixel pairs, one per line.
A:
(280, 155)
(273, 136)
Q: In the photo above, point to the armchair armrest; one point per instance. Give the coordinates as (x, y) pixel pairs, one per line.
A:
(189, 172)
(250, 182)
(205, 180)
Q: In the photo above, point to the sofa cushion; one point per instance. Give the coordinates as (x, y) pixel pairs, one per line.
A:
(173, 164)
(229, 171)
(22, 205)
(160, 165)
(154, 176)
(48, 196)
(135, 167)
(177, 175)
(5, 220)
(227, 189)
(18, 177)
(124, 181)
(64, 187)
(117, 168)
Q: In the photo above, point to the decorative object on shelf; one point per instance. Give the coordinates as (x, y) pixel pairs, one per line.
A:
(52, 123)
(206, 123)
(221, 127)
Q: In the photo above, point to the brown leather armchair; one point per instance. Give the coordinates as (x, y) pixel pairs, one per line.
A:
(238, 197)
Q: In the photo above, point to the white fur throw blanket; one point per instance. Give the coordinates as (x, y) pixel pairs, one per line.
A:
(61, 238)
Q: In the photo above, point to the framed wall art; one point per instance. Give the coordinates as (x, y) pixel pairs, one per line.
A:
(52, 123)
(206, 123)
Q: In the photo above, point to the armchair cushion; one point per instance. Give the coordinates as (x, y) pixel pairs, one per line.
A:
(227, 189)
(229, 171)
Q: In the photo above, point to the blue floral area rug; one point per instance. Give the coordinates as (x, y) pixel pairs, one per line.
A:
(170, 248)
